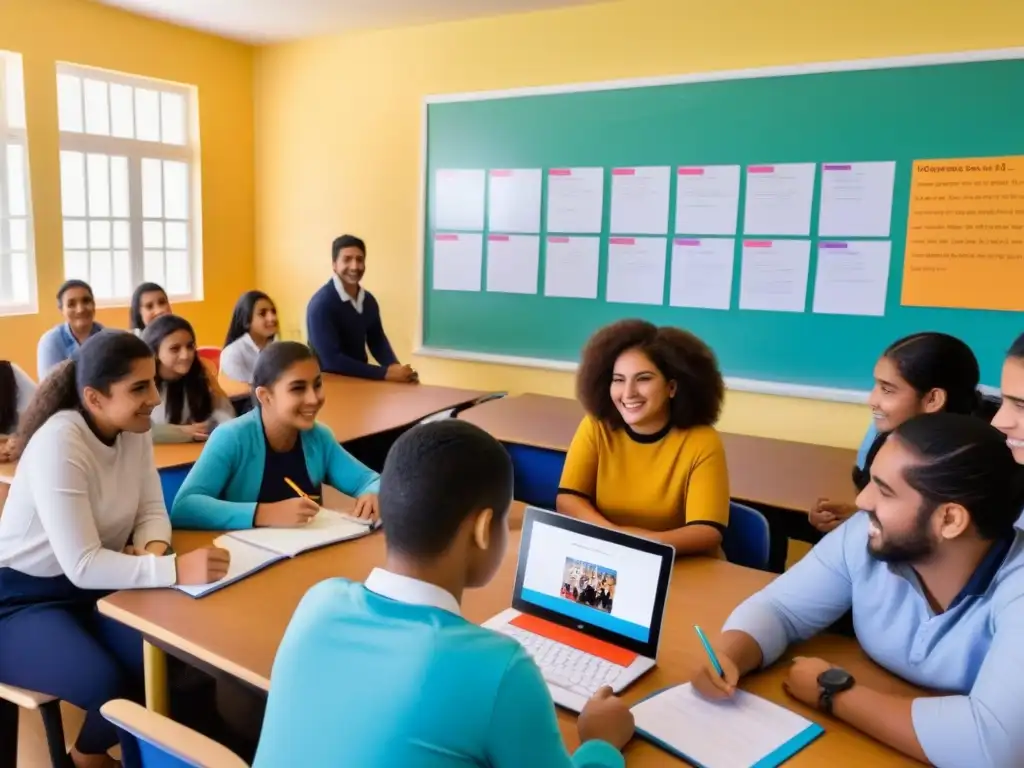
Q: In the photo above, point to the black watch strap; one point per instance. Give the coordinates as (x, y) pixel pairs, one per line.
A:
(825, 701)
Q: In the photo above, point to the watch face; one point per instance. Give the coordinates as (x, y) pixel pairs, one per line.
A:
(835, 679)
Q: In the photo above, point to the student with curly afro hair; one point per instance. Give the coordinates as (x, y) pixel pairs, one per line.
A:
(646, 459)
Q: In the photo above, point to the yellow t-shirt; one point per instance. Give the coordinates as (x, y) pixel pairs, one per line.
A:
(658, 482)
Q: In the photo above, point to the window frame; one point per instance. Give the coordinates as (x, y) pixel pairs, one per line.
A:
(10, 135)
(136, 150)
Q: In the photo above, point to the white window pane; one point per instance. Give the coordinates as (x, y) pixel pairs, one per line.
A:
(99, 235)
(122, 234)
(75, 235)
(122, 274)
(177, 235)
(175, 190)
(152, 234)
(72, 183)
(177, 273)
(119, 202)
(97, 107)
(16, 180)
(147, 115)
(98, 175)
(76, 265)
(19, 278)
(19, 234)
(101, 274)
(153, 267)
(14, 88)
(152, 189)
(172, 118)
(122, 111)
(69, 103)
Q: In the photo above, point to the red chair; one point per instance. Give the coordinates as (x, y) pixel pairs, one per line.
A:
(212, 354)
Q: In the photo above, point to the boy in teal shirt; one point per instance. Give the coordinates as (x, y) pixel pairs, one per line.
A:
(389, 674)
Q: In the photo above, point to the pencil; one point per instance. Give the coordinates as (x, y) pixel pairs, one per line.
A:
(299, 491)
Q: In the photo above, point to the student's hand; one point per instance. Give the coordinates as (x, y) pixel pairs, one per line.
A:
(203, 566)
(9, 448)
(403, 374)
(197, 432)
(829, 515)
(606, 718)
(802, 679)
(712, 686)
(367, 507)
(290, 513)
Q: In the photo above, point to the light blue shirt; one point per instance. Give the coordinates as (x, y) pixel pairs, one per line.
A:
(973, 652)
(57, 345)
(389, 675)
(223, 487)
(865, 446)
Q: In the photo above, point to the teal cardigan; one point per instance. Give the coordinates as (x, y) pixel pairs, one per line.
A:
(222, 488)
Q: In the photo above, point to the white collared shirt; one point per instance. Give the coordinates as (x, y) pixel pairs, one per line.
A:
(357, 302)
(405, 589)
(238, 359)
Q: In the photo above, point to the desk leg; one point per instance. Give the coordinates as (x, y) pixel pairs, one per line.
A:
(157, 697)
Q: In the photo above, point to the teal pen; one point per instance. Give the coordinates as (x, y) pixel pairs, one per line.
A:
(710, 651)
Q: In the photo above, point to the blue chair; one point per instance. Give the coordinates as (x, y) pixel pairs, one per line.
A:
(747, 539)
(155, 741)
(171, 479)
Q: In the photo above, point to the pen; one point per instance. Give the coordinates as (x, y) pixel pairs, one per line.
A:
(709, 650)
(299, 491)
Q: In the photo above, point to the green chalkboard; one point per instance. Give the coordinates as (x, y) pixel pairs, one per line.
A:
(903, 111)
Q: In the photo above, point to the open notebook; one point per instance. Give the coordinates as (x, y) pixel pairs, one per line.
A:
(743, 732)
(256, 548)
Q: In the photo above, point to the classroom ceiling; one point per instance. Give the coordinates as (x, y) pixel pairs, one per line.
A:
(270, 21)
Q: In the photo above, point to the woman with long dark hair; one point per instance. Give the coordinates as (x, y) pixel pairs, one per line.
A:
(253, 327)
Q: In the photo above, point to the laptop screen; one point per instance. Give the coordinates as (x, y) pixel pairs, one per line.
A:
(589, 578)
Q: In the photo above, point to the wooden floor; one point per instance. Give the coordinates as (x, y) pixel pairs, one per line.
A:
(32, 751)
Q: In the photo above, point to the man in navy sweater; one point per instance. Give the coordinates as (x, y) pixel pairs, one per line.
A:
(343, 320)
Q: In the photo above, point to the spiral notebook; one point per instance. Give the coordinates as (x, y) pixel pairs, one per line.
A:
(745, 731)
(256, 548)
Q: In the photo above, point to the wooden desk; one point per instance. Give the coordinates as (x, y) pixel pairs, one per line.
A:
(237, 631)
(776, 473)
(354, 409)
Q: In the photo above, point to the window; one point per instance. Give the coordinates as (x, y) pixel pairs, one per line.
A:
(129, 165)
(17, 263)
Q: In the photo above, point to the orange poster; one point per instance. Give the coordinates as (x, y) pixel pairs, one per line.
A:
(965, 234)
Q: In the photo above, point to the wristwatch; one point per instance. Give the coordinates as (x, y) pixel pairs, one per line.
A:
(830, 683)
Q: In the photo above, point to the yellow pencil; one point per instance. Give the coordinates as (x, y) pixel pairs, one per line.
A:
(299, 491)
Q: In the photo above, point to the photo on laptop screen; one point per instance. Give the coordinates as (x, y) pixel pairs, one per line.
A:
(589, 578)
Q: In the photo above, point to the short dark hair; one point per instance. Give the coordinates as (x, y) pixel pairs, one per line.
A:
(1017, 348)
(679, 355)
(346, 241)
(966, 461)
(67, 285)
(931, 360)
(241, 316)
(135, 309)
(276, 358)
(194, 386)
(103, 360)
(437, 475)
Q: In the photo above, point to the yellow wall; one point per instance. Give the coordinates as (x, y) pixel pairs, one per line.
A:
(81, 32)
(338, 134)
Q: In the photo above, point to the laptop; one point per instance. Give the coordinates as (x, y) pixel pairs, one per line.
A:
(588, 604)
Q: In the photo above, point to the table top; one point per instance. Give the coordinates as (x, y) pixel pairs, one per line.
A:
(238, 629)
(353, 408)
(778, 473)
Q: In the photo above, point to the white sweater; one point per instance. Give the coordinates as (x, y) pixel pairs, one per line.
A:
(75, 502)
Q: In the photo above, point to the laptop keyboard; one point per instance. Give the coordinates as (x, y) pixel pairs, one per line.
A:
(565, 666)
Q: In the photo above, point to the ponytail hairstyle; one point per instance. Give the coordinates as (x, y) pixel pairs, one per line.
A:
(965, 461)
(193, 387)
(135, 310)
(932, 360)
(276, 358)
(241, 317)
(8, 399)
(103, 360)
